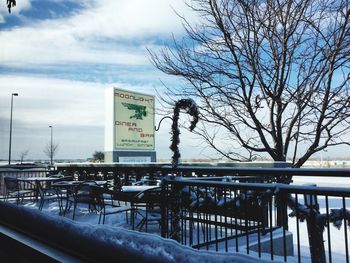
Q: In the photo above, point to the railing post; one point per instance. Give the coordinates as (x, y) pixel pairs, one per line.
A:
(314, 229)
(175, 208)
(163, 209)
(2, 192)
(282, 211)
(126, 178)
(315, 234)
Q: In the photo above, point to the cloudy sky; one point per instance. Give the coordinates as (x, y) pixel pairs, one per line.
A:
(61, 55)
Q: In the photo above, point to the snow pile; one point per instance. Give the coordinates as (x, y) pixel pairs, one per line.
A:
(105, 242)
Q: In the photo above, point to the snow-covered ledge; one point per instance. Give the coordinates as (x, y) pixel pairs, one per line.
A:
(105, 243)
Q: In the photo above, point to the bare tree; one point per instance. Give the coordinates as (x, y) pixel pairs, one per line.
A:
(23, 155)
(50, 150)
(270, 77)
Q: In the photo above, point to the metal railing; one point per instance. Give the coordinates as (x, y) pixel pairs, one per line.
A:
(160, 170)
(253, 218)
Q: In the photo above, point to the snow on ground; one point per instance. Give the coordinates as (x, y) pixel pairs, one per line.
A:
(322, 181)
(146, 244)
(146, 241)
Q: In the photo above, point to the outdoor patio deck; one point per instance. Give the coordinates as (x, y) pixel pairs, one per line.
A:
(201, 228)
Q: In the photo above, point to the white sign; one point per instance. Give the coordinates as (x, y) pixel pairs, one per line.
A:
(133, 120)
(135, 159)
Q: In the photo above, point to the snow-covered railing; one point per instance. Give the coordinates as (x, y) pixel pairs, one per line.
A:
(134, 172)
(33, 236)
(253, 218)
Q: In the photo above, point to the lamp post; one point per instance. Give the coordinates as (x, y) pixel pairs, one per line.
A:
(13, 94)
(166, 117)
(51, 153)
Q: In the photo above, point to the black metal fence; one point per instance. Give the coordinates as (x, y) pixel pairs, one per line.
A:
(254, 213)
(266, 220)
(132, 172)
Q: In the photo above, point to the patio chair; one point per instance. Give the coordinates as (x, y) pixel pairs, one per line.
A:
(13, 189)
(112, 190)
(49, 194)
(106, 208)
(150, 201)
(81, 193)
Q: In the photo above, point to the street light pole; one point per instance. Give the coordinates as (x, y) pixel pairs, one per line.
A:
(51, 153)
(13, 94)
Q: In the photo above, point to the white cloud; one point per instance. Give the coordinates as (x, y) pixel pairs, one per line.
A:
(109, 31)
(46, 101)
(23, 47)
(129, 18)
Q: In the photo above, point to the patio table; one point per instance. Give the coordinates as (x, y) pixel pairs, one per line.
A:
(70, 190)
(74, 183)
(143, 199)
(134, 189)
(128, 192)
(67, 187)
(32, 181)
(41, 180)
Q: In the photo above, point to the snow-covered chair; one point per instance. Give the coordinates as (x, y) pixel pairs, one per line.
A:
(147, 205)
(106, 207)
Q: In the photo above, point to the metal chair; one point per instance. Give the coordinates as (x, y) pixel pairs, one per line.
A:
(49, 194)
(81, 193)
(150, 200)
(13, 189)
(107, 208)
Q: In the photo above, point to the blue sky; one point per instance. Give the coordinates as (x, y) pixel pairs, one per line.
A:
(60, 56)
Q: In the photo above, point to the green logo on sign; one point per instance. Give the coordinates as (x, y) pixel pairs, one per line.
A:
(140, 111)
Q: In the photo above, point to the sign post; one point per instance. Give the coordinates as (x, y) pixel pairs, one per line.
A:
(129, 129)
